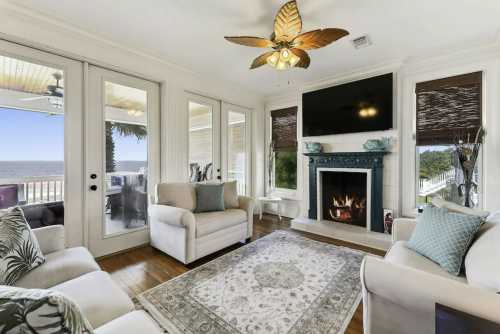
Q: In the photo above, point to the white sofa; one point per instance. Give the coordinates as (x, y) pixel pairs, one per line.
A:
(75, 273)
(400, 291)
(187, 236)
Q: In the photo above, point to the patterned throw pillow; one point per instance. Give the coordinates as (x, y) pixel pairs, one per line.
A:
(444, 237)
(19, 249)
(39, 311)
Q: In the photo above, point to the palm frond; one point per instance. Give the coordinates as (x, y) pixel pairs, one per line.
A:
(128, 130)
(12, 228)
(22, 261)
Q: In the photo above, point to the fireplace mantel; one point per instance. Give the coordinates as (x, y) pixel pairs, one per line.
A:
(364, 160)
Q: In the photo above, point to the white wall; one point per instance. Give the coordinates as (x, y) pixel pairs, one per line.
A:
(399, 170)
(34, 29)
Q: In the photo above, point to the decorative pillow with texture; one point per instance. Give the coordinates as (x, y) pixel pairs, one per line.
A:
(444, 237)
(231, 195)
(209, 197)
(19, 249)
(39, 311)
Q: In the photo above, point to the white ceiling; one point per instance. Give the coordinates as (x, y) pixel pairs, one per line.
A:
(190, 33)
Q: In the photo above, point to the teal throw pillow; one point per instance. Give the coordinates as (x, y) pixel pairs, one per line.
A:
(209, 197)
(444, 237)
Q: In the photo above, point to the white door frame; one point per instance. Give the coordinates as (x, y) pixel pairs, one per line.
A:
(99, 243)
(216, 137)
(226, 108)
(73, 133)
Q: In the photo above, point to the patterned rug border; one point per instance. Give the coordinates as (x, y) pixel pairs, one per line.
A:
(166, 324)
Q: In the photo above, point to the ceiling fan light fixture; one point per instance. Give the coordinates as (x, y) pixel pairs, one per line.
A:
(283, 59)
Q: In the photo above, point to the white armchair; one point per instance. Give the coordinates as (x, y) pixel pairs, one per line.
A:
(188, 236)
(400, 292)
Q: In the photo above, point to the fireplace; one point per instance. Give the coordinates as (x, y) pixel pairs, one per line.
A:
(347, 188)
(344, 196)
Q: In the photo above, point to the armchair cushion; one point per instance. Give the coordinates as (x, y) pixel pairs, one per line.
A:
(19, 249)
(481, 262)
(444, 237)
(180, 195)
(131, 323)
(50, 238)
(210, 222)
(401, 255)
(231, 195)
(59, 267)
(402, 229)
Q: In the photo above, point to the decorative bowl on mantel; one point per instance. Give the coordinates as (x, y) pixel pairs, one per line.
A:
(378, 145)
(313, 147)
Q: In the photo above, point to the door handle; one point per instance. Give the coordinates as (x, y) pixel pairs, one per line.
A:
(93, 187)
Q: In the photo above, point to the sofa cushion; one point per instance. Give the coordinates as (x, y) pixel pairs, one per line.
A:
(99, 298)
(181, 195)
(444, 237)
(231, 195)
(454, 207)
(60, 267)
(19, 249)
(209, 197)
(481, 262)
(210, 222)
(131, 323)
(401, 255)
(40, 311)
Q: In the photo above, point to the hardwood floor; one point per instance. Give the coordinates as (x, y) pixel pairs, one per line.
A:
(142, 268)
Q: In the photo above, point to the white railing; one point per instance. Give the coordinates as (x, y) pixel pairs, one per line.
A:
(38, 189)
(239, 176)
(439, 182)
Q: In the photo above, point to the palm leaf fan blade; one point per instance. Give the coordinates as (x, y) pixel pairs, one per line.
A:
(256, 42)
(318, 38)
(261, 60)
(304, 61)
(288, 22)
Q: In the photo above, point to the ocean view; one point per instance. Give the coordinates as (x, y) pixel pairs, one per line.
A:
(19, 169)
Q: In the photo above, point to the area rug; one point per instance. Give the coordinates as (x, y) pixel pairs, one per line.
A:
(281, 283)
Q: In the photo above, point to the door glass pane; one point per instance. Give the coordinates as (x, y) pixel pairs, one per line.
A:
(200, 142)
(32, 140)
(126, 158)
(237, 152)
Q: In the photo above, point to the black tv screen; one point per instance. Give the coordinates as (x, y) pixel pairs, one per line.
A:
(360, 106)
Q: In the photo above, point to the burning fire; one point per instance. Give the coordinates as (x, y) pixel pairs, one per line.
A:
(345, 208)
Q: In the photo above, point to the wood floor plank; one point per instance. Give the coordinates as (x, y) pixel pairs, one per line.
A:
(143, 268)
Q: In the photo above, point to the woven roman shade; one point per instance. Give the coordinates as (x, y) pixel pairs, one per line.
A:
(449, 107)
(284, 129)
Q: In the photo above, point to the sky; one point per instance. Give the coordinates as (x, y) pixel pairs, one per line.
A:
(34, 136)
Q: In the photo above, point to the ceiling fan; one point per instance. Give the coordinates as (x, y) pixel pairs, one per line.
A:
(54, 93)
(288, 44)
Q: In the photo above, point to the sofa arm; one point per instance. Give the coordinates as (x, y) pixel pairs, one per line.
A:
(50, 238)
(171, 215)
(418, 292)
(247, 204)
(402, 229)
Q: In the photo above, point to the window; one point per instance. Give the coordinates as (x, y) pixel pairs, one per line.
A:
(283, 155)
(448, 110)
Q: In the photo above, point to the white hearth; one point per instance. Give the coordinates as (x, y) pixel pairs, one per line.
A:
(349, 233)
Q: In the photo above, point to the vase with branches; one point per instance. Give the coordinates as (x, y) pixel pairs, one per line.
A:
(467, 150)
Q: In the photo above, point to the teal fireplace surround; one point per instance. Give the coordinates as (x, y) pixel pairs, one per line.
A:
(364, 160)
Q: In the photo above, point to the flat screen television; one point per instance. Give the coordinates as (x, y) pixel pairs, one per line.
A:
(360, 106)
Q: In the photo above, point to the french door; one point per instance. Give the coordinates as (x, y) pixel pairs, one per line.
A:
(219, 138)
(123, 159)
(41, 130)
